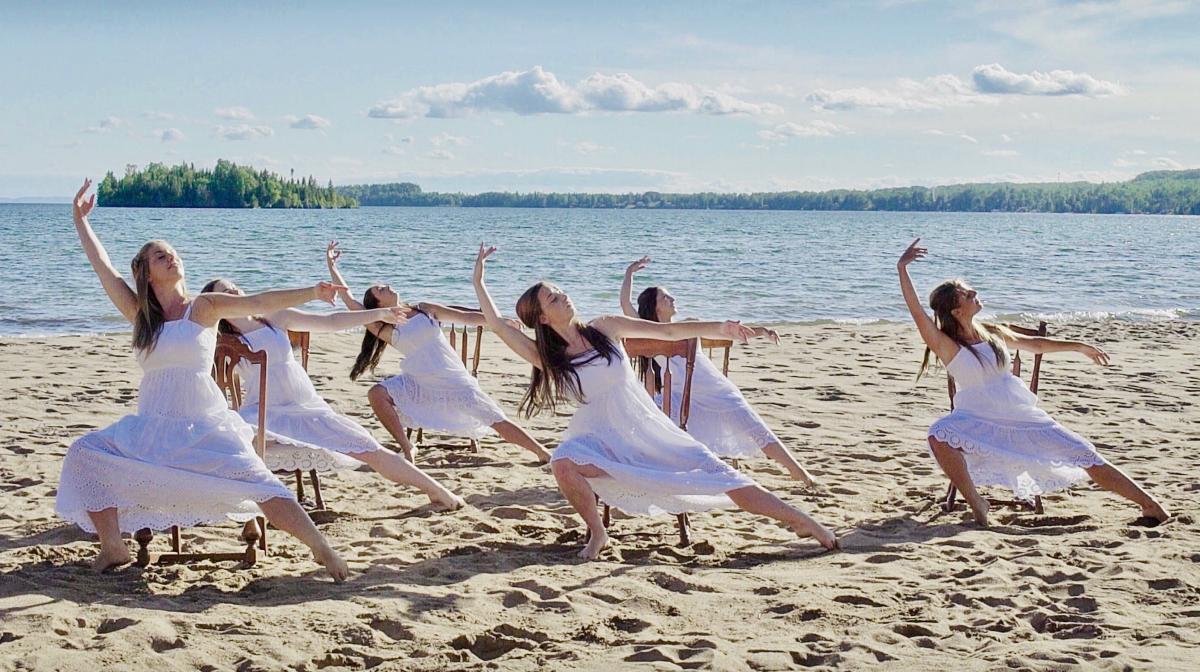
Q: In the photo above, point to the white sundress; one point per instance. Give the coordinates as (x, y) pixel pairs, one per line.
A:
(303, 431)
(1005, 438)
(434, 390)
(183, 459)
(720, 417)
(653, 466)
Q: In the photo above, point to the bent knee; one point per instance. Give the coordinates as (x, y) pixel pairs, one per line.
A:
(378, 394)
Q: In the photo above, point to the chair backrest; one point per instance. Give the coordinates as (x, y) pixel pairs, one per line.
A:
(229, 352)
(1016, 361)
(472, 362)
(300, 341)
(649, 347)
(710, 344)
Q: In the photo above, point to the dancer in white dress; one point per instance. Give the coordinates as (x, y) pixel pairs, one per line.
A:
(619, 444)
(434, 390)
(721, 419)
(305, 432)
(184, 458)
(996, 434)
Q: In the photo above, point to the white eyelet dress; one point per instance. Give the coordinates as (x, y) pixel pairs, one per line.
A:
(303, 431)
(183, 459)
(653, 466)
(721, 418)
(1004, 437)
(434, 390)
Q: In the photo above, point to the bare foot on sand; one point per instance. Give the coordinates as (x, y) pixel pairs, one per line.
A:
(595, 544)
(448, 502)
(979, 509)
(1157, 512)
(111, 557)
(334, 564)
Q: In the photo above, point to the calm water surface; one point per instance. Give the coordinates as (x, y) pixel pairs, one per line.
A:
(756, 266)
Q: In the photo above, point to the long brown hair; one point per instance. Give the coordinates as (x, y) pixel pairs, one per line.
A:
(225, 326)
(371, 350)
(555, 381)
(148, 323)
(647, 309)
(943, 300)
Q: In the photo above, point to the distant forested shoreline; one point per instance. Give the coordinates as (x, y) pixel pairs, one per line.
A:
(1154, 193)
(229, 185)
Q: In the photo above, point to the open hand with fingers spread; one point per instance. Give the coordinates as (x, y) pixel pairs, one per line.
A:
(737, 331)
(637, 265)
(332, 253)
(80, 206)
(394, 315)
(912, 254)
(1095, 354)
(481, 260)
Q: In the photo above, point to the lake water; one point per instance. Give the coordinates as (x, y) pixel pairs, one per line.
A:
(755, 266)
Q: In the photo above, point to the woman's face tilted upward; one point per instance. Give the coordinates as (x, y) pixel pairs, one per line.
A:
(555, 304)
(163, 264)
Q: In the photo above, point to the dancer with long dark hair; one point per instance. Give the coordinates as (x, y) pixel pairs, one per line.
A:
(618, 444)
(721, 418)
(434, 390)
(996, 434)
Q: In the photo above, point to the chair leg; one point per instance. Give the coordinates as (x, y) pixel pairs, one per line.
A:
(143, 537)
(316, 484)
(251, 535)
(607, 515)
(1037, 505)
(299, 485)
(474, 446)
(176, 541)
(951, 495)
(685, 529)
(420, 436)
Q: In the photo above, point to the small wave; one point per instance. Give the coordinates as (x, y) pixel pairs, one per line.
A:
(1135, 315)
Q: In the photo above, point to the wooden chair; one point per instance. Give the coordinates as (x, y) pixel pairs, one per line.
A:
(952, 492)
(472, 364)
(300, 341)
(230, 350)
(710, 344)
(647, 347)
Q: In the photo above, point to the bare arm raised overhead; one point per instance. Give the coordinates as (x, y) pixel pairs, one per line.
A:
(627, 306)
(119, 292)
(941, 344)
(517, 341)
(382, 330)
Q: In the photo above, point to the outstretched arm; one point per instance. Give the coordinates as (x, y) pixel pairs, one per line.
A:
(114, 284)
(619, 326)
(939, 343)
(627, 286)
(1042, 345)
(302, 320)
(214, 306)
(518, 342)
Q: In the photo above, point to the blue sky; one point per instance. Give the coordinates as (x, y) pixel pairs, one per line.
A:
(629, 96)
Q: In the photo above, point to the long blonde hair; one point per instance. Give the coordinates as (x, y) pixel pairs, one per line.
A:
(943, 300)
(150, 317)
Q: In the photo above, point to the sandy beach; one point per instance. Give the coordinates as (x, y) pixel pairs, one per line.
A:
(497, 585)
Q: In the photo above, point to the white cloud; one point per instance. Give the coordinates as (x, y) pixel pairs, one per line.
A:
(235, 112)
(538, 91)
(393, 150)
(1031, 116)
(440, 155)
(1006, 137)
(1138, 152)
(1167, 163)
(815, 128)
(155, 115)
(961, 136)
(994, 78)
(1001, 152)
(1124, 163)
(588, 147)
(447, 140)
(105, 125)
(309, 122)
(244, 132)
(170, 135)
(988, 84)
